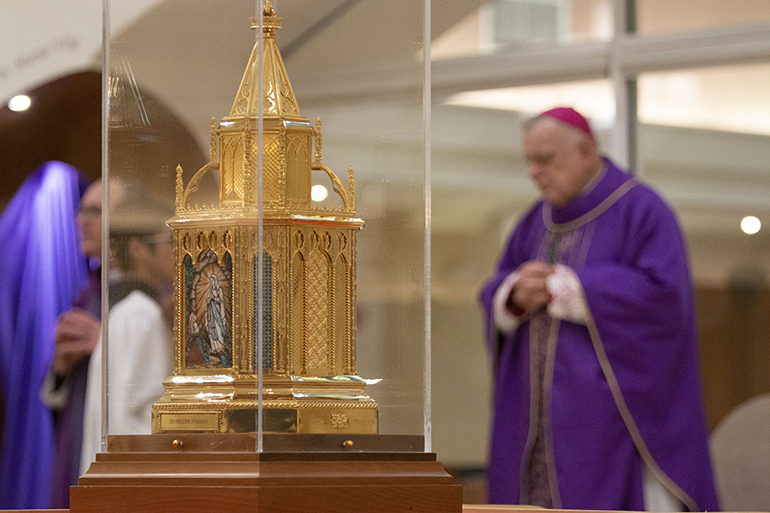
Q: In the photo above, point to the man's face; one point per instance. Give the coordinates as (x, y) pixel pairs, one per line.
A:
(90, 220)
(162, 249)
(153, 256)
(561, 160)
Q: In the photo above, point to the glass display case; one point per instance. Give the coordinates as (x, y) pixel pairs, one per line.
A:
(266, 273)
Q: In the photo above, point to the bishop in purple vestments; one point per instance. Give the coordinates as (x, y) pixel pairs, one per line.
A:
(590, 327)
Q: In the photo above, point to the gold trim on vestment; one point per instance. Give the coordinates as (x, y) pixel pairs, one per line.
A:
(628, 419)
(591, 214)
(534, 389)
(550, 456)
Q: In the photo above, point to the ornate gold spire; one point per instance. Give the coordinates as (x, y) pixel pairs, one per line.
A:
(278, 96)
(308, 262)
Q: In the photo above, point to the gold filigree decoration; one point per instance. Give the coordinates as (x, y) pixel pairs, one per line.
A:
(339, 421)
(268, 404)
(317, 315)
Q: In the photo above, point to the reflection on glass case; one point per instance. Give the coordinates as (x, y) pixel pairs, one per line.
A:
(308, 276)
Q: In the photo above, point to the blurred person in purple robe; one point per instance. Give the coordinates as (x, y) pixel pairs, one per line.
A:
(591, 333)
(43, 270)
(76, 335)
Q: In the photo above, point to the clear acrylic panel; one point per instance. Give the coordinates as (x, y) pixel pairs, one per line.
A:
(704, 142)
(272, 313)
(156, 111)
(355, 226)
(480, 187)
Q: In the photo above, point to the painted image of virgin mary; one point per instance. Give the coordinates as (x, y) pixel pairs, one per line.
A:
(216, 319)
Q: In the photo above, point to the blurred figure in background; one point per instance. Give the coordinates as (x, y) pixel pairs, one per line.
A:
(77, 333)
(591, 332)
(43, 270)
(140, 355)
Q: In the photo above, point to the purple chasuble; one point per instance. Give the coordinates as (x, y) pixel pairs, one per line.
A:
(622, 391)
(43, 270)
(68, 422)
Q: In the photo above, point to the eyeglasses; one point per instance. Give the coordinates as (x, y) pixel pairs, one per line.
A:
(157, 238)
(90, 212)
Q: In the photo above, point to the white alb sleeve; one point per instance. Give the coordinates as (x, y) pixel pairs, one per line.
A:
(52, 396)
(505, 320)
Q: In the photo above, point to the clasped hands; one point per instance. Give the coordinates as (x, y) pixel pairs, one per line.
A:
(530, 292)
(76, 336)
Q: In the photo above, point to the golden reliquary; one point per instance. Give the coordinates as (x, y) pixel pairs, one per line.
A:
(308, 266)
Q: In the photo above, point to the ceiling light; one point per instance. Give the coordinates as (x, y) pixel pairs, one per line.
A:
(318, 193)
(750, 225)
(19, 103)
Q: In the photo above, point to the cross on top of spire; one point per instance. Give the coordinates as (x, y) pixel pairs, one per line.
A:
(270, 22)
(269, 10)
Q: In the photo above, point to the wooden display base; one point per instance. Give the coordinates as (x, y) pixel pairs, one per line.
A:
(294, 473)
